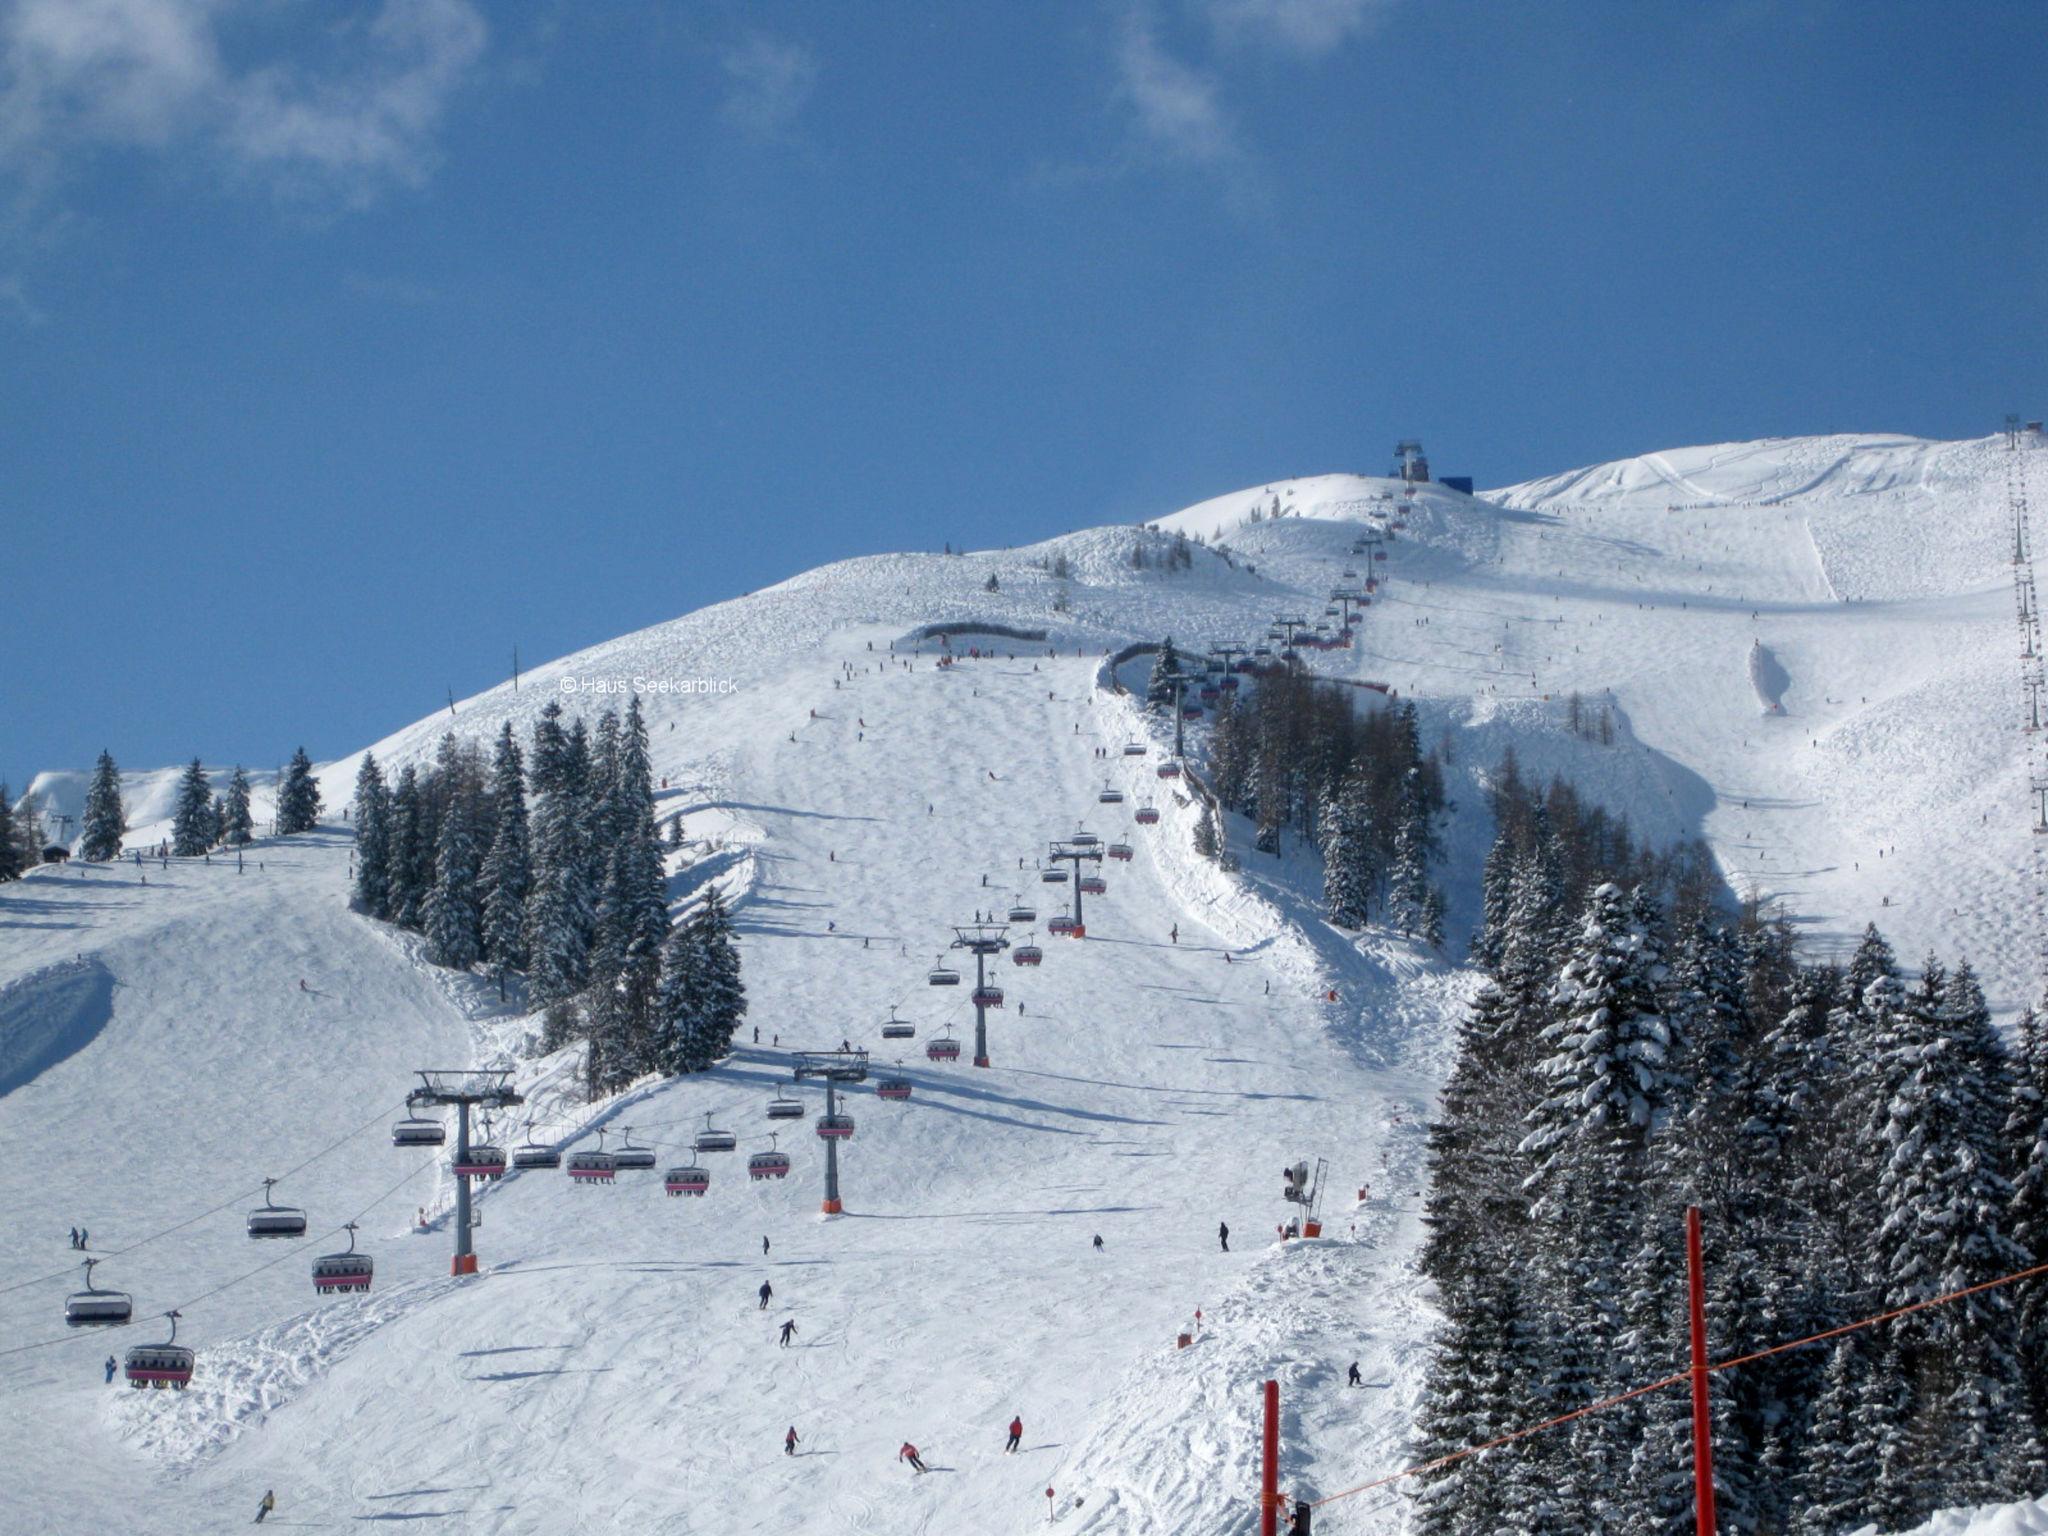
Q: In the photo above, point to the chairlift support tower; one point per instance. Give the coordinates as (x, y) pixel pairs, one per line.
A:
(983, 940)
(1076, 853)
(833, 1068)
(489, 1089)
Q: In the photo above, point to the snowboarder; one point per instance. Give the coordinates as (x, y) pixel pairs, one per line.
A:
(789, 1442)
(1016, 1435)
(110, 1370)
(1355, 1380)
(788, 1332)
(909, 1454)
(269, 1503)
(1223, 1234)
(767, 1290)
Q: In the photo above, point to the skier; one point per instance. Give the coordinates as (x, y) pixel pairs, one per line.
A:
(1355, 1380)
(789, 1442)
(909, 1454)
(767, 1290)
(84, 1239)
(1175, 933)
(788, 1332)
(302, 983)
(1098, 1242)
(74, 1237)
(1016, 1435)
(110, 1370)
(764, 1247)
(269, 1503)
(1223, 1235)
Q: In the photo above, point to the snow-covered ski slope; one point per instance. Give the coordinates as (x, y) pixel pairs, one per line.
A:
(611, 1369)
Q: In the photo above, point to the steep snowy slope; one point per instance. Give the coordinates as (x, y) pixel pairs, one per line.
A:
(611, 1369)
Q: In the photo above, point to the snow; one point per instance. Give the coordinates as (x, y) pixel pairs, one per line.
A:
(610, 1368)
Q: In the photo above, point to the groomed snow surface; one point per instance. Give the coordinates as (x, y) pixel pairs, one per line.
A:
(611, 1369)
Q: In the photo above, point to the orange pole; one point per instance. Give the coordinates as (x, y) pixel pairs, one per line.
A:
(1702, 1417)
(1269, 1472)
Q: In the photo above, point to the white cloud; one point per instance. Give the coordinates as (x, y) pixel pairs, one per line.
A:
(1306, 28)
(767, 83)
(1175, 107)
(353, 109)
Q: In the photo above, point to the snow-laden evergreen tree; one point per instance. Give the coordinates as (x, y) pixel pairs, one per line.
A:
(723, 995)
(298, 799)
(559, 915)
(373, 839)
(450, 916)
(677, 1045)
(632, 921)
(237, 822)
(1159, 687)
(410, 852)
(1496, 891)
(508, 867)
(192, 819)
(1348, 853)
(1408, 876)
(1206, 842)
(106, 819)
(12, 865)
(1473, 1394)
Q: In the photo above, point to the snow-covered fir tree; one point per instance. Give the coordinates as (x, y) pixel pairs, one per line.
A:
(450, 916)
(192, 819)
(106, 819)
(298, 798)
(373, 822)
(1165, 666)
(410, 852)
(508, 868)
(237, 821)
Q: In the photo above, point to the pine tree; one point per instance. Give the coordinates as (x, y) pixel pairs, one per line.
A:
(1348, 854)
(723, 995)
(559, 916)
(12, 865)
(298, 800)
(406, 889)
(105, 817)
(1159, 687)
(508, 869)
(1496, 890)
(192, 821)
(373, 838)
(237, 822)
(678, 1033)
(1408, 878)
(450, 916)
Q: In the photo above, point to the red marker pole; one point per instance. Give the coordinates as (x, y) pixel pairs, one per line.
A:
(1702, 1417)
(1269, 1471)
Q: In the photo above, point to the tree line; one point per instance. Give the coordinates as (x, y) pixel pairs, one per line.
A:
(547, 862)
(1857, 1140)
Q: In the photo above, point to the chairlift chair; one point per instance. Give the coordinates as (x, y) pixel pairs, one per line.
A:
(712, 1139)
(689, 1179)
(348, 1271)
(1134, 749)
(1054, 876)
(899, 1029)
(1120, 851)
(1084, 839)
(592, 1167)
(1094, 885)
(895, 1089)
(484, 1162)
(1170, 769)
(1110, 796)
(534, 1154)
(835, 1127)
(768, 1165)
(269, 1220)
(1027, 953)
(630, 1156)
(1148, 816)
(168, 1364)
(945, 1048)
(96, 1308)
(1061, 926)
(788, 1107)
(987, 997)
(942, 975)
(417, 1132)
(1020, 913)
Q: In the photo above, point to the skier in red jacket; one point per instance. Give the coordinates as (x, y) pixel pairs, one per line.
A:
(1016, 1434)
(909, 1454)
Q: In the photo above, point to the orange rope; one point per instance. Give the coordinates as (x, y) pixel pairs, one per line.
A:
(1668, 1381)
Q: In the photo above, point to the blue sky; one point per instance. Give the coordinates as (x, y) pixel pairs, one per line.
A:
(344, 346)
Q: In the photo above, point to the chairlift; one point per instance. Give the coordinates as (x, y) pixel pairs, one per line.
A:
(1228, 685)
(945, 1048)
(942, 975)
(712, 1139)
(1210, 693)
(593, 1167)
(1027, 954)
(1191, 711)
(1110, 796)
(1020, 913)
(270, 1220)
(1062, 926)
(484, 1162)
(1084, 839)
(168, 1364)
(1094, 885)
(1134, 749)
(788, 1107)
(630, 1156)
(1262, 650)
(1057, 875)
(899, 1029)
(768, 1165)
(1120, 851)
(95, 1308)
(535, 1154)
(417, 1132)
(689, 1179)
(835, 1127)
(987, 997)
(1170, 769)
(896, 1089)
(347, 1271)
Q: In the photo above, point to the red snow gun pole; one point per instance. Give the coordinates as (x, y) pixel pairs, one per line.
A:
(1702, 1417)
(1269, 1468)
